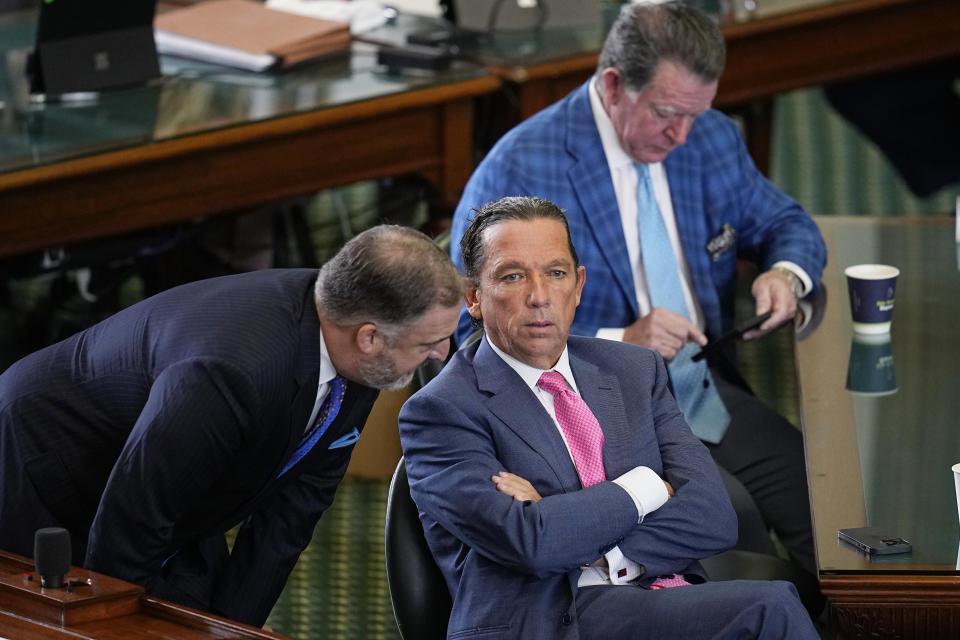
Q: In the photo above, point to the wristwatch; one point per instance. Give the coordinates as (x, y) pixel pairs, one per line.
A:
(796, 286)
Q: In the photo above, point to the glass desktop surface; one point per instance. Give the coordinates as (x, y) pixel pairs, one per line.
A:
(192, 97)
(884, 460)
(526, 48)
(747, 10)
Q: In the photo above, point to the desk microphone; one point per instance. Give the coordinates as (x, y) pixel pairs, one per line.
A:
(51, 556)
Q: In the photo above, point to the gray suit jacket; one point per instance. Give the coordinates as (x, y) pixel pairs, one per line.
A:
(512, 567)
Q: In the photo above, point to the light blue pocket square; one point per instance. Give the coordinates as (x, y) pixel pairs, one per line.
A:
(345, 440)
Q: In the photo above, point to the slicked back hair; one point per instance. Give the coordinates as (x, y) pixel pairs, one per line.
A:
(493, 213)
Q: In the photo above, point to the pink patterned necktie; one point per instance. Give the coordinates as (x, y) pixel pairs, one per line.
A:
(667, 582)
(579, 426)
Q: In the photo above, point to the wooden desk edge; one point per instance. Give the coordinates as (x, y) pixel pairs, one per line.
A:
(282, 125)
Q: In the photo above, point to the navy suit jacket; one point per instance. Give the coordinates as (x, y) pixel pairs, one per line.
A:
(155, 431)
(557, 155)
(512, 567)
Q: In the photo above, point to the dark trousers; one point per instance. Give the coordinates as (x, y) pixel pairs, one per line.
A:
(731, 609)
(764, 452)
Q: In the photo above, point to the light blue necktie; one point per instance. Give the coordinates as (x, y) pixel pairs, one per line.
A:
(328, 411)
(692, 383)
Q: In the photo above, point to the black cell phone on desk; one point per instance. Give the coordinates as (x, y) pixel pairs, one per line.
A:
(874, 540)
(734, 334)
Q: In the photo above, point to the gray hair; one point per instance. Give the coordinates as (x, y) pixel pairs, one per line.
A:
(510, 208)
(646, 33)
(388, 275)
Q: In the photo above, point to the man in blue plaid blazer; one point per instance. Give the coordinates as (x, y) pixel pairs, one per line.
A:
(649, 105)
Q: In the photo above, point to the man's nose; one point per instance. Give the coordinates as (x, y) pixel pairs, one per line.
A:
(679, 129)
(538, 294)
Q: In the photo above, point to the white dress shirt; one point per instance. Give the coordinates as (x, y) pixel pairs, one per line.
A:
(327, 373)
(644, 486)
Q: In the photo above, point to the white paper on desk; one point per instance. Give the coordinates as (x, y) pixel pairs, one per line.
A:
(362, 15)
(177, 45)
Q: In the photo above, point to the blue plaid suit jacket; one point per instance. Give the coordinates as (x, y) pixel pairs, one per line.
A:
(557, 155)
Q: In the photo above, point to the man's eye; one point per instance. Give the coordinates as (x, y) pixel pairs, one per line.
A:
(558, 273)
(664, 114)
(511, 277)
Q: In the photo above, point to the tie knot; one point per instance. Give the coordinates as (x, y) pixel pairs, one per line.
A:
(553, 382)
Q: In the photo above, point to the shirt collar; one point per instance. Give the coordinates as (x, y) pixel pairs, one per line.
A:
(327, 371)
(531, 375)
(616, 156)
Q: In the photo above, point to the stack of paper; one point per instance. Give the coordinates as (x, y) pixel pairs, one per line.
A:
(363, 15)
(246, 34)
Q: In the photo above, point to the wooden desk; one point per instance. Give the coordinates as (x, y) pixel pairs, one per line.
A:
(884, 459)
(105, 609)
(208, 141)
(826, 43)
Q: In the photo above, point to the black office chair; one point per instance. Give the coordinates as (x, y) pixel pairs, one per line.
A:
(418, 592)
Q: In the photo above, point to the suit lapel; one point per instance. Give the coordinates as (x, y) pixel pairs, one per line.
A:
(306, 378)
(516, 406)
(590, 177)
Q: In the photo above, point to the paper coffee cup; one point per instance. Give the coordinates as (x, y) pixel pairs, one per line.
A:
(871, 288)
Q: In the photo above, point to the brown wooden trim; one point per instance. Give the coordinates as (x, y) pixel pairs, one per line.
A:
(891, 588)
(834, 42)
(242, 167)
(245, 133)
(105, 597)
(207, 623)
(582, 64)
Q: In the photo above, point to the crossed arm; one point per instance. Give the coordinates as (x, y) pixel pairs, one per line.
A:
(520, 489)
(526, 520)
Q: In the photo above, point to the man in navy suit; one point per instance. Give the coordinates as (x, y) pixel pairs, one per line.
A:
(214, 404)
(644, 120)
(529, 545)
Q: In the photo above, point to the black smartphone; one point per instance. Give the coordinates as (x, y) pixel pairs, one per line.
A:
(734, 334)
(874, 540)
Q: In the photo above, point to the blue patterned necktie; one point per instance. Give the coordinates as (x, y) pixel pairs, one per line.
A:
(692, 383)
(328, 411)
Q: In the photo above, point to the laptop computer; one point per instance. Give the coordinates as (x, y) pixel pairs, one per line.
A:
(93, 45)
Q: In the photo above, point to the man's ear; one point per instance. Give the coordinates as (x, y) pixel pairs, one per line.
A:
(581, 280)
(369, 340)
(611, 86)
(472, 300)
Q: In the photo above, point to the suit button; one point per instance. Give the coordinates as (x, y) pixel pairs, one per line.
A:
(566, 619)
(706, 384)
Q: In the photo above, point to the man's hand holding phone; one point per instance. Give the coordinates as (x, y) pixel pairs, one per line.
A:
(736, 333)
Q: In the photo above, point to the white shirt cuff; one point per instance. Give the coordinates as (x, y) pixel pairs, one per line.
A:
(612, 334)
(646, 488)
(800, 273)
